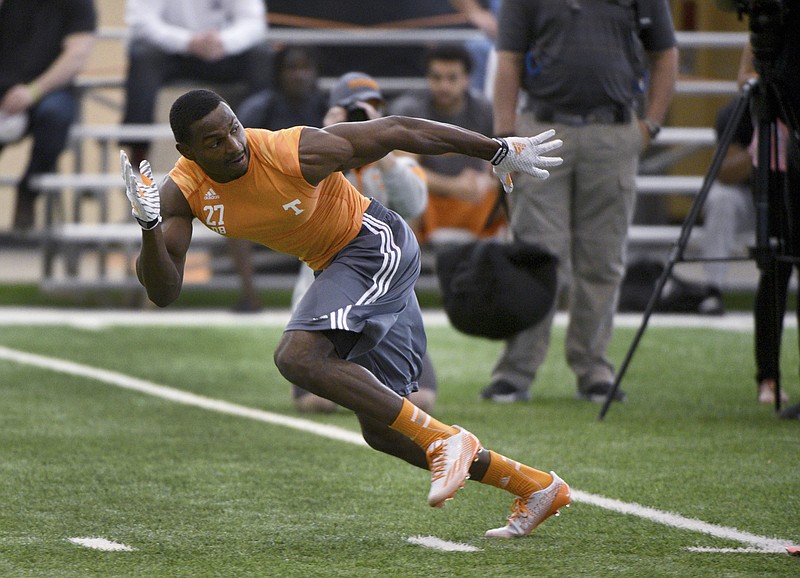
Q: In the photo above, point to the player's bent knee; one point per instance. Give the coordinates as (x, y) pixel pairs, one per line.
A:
(290, 360)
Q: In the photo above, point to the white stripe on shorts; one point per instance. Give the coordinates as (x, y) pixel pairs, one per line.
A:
(339, 318)
(391, 260)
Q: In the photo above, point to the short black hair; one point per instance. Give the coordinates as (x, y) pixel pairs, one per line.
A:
(188, 109)
(450, 53)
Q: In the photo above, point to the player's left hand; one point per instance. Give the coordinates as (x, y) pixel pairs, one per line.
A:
(524, 154)
(144, 196)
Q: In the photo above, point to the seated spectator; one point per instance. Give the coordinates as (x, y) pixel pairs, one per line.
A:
(216, 41)
(43, 48)
(397, 182)
(729, 211)
(463, 193)
(295, 100)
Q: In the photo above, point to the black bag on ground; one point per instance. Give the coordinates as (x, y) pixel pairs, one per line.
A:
(495, 289)
(678, 295)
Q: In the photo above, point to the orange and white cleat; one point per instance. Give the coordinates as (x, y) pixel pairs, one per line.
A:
(449, 460)
(528, 513)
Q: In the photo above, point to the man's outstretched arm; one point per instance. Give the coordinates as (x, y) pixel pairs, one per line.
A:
(349, 145)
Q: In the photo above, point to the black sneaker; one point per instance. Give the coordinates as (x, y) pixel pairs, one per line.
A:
(598, 392)
(791, 412)
(504, 392)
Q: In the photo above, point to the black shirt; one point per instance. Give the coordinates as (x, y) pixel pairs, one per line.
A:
(32, 35)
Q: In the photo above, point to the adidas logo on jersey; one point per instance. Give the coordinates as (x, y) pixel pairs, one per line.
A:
(211, 195)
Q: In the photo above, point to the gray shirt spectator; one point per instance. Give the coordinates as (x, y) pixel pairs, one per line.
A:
(462, 191)
(475, 115)
(580, 55)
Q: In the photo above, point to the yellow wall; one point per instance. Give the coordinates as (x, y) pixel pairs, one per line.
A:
(701, 63)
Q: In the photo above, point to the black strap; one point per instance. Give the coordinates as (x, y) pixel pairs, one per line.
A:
(500, 204)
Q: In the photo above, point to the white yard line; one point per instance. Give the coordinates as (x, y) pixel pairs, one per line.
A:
(759, 543)
(434, 543)
(101, 544)
(728, 550)
(178, 395)
(100, 319)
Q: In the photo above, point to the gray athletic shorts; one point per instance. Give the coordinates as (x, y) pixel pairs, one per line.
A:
(365, 301)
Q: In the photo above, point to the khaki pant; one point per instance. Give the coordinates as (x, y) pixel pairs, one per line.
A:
(582, 214)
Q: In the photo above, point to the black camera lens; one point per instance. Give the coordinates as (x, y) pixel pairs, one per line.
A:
(355, 113)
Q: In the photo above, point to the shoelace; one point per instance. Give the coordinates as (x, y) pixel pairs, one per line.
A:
(437, 462)
(519, 509)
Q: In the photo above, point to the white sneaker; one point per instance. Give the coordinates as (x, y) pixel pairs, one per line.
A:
(449, 460)
(528, 513)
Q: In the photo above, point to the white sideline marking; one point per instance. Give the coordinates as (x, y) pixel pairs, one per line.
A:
(728, 550)
(766, 544)
(101, 544)
(101, 319)
(763, 543)
(179, 396)
(435, 543)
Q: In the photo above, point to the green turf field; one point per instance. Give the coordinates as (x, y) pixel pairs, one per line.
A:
(690, 477)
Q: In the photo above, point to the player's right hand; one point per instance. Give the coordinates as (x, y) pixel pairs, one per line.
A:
(144, 196)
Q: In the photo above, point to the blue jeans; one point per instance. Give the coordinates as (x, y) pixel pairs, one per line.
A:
(49, 121)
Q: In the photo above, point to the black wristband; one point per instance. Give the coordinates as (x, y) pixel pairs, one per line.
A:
(501, 153)
(147, 225)
(653, 128)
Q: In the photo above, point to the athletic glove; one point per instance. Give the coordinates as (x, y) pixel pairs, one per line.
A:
(524, 154)
(144, 197)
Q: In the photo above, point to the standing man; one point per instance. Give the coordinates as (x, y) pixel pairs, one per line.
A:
(580, 63)
(44, 45)
(462, 190)
(356, 337)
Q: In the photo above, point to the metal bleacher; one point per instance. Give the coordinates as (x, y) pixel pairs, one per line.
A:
(69, 234)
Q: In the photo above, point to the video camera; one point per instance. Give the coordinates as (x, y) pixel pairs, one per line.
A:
(775, 42)
(767, 26)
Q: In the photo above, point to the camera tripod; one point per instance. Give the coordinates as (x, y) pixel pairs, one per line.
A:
(765, 252)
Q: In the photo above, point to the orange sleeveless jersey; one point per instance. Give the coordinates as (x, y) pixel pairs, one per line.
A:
(272, 204)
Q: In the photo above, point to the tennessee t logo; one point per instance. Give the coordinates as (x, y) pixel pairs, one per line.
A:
(293, 206)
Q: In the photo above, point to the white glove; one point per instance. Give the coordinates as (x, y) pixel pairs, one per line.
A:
(144, 197)
(524, 154)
